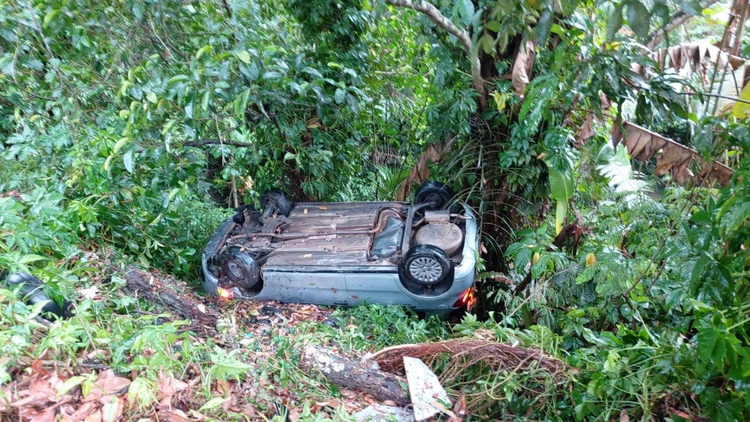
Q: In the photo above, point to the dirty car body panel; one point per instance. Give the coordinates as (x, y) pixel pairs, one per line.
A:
(345, 254)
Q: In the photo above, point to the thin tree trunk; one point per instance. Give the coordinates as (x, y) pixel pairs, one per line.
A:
(170, 293)
(382, 386)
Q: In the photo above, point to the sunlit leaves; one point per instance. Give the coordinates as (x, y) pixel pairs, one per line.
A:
(741, 109)
(616, 167)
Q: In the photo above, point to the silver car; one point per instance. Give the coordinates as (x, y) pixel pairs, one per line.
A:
(421, 256)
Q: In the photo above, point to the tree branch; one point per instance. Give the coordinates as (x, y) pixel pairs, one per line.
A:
(463, 37)
(675, 21)
(228, 9)
(438, 18)
(215, 142)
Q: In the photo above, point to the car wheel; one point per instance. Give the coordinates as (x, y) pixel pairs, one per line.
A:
(32, 290)
(275, 202)
(425, 265)
(240, 268)
(437, 194)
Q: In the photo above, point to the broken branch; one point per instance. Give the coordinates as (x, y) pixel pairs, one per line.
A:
(164, 291)
(345, 372)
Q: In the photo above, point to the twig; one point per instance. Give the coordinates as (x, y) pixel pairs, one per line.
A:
(215, 142)
(167, 42)
(726, 97)
(228, 9)
(675, 20)
(97, 366)
(463, 36)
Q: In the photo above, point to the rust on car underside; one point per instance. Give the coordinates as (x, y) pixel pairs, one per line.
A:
(316, 234)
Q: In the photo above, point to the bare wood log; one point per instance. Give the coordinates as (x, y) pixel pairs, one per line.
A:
(347, 373)
(171, 294)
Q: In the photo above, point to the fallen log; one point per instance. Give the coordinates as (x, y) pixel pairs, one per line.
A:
(171, 294)
(467, 352)
(347, 373)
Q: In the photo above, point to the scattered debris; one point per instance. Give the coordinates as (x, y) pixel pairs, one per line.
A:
(465, 352)
(179, 299)
(425, 390)
(382, 413)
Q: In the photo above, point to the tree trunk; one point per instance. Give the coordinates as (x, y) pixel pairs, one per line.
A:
(339, 370)
(170, 293)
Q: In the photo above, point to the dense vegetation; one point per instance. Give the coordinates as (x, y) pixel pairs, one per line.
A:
(128, 128)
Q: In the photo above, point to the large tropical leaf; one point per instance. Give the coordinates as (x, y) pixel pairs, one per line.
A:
(741, 110)
(618, 171)
(672, 157)
(561, 185)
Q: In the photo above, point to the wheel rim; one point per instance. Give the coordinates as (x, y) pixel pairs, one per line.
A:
(425, 269)
(435, 199)
(236, 272)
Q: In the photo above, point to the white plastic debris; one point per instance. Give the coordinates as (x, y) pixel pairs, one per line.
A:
(425, 390)
(381, 412)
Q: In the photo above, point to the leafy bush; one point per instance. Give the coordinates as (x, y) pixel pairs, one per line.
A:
(650, 301)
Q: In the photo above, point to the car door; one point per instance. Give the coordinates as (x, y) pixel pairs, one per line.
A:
(377, 287)
(321, 288)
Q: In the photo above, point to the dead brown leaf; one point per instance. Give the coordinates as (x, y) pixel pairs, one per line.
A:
(673, 157)
(616, 135)
(94, 417)
(172, 416)
(38, 368)
(434, 153)
(522, 65)
(167, 388)
(587, 129)
(109, 383)
(48, 415)
(624, 416)
(83, 412)
(222, 387)
(701, 58)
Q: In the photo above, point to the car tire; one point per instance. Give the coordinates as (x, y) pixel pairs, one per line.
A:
(276, 202)
(240, 269)
(437, 194)
(32, 291)
(425, 265)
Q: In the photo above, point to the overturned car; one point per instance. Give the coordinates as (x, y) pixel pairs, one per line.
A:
(420, 255)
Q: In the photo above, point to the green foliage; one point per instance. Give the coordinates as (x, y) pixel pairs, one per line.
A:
(336, 25)
(672, 261)
(645, 17)
(616, 167)
(17, 325)
(377, 326)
